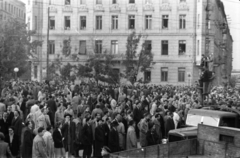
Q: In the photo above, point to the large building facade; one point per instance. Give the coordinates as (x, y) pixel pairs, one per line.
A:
(12, 9)
(178, 31)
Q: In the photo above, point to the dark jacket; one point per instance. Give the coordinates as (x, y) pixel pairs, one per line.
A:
(113, 140)
(57, 139)
(4, 126)
(99, 140)
(27, 143)
(152, 138)
(14, 145)
(66, 134)
(17, 124)
(87, 135)
(137, 115)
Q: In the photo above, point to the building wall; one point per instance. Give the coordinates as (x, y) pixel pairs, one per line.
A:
(12, 9)
(194, 31)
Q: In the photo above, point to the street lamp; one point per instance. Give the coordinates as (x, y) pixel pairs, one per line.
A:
(16, 71)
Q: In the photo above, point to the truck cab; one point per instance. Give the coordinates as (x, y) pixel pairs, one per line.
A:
(201, 116)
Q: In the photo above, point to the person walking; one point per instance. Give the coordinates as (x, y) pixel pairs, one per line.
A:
(39, 149)
(131, 136)
(87, 139)
(27, 141)
(58, 141)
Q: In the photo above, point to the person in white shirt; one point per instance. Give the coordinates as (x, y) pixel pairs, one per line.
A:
(154, 107)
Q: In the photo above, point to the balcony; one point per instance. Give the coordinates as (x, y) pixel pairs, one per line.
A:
(83, 8)
(67, 9)
(132, 7)
(115, 8)
(99, 8)
(183, 7)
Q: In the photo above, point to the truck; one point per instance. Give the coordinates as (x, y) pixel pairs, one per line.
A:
(214, 118)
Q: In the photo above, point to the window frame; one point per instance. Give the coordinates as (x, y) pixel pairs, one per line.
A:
(148, 22)
(65, 22)
(99, 22)
(52, 19)
(51, 47)
(181, 73)
(98, 46)
(164, 74)
(182, 21)
(114, 22)
(165, 18)
(164, 42)
(81, 18)
(131, 1)
(114, 44)
(131, 18)
(181, 42)
(80, 44)
(149, 74)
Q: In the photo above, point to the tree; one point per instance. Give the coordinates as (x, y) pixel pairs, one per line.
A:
(66, 72)
(14, 41)
(136, 62)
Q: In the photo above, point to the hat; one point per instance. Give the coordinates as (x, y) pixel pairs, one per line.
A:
(106, 149)
(67, 114)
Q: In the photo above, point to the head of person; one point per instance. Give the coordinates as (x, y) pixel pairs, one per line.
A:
(67, 117)
(100, 122)
(88, 119)
(132, 123)
(5, 115)
(16, 114)
(98, 116)
(58, 125)
(11, 130)
(40, 131)
(49, 128)
(29, 124)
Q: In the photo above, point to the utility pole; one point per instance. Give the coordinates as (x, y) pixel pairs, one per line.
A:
(48, 43)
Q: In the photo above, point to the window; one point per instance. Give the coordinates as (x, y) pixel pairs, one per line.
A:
(165, 21)
(51, 47)
(148, 44)
(67, 2)
(164, 74)
(67, 24)
(114, 1)
(148, 1)
(36, 23)
(131, 1)
(198, 47)
(52, 22)
(114, 22)
(114, 47)
(131, 21)
(82, 47)
(181, 74)
(226, 138)
(98, 46)
(98, 22)
(182, 47)
(164, 47)
(147, 76)
(5, 6)
(82, 1)
(35, 71)
(98, 1)
(83, 22)
(198, 21)
(182, 21)
(148, 22)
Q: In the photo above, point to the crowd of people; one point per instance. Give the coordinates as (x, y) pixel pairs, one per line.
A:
(57, 120)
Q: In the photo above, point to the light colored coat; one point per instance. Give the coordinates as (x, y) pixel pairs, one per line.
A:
(39, 149)
(131, 138)
(47, 137)
(121, 135)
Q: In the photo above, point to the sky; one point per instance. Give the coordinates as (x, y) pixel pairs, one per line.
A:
(232, 10)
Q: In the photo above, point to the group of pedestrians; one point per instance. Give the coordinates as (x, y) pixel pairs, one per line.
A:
(45, 120)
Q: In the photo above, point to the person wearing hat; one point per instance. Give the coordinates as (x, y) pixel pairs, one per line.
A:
(105, 152)
(39, 149)
(87, 139)
(68, 132)
(143, 128)
(113, 140)
(99, 138)
(4, 148)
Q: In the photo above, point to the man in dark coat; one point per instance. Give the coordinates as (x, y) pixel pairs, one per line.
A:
(27, 140)
(4, 124)
(68, 132)
(13, 141)
(113, 140)
(137, 116)
(169, 123)
(17, 124)
(107, 128)
(99, 138)
(51, 104)
(87, 139)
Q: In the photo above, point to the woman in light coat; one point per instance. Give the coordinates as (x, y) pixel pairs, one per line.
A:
(131, 136)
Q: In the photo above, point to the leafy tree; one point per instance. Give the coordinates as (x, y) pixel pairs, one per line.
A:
(66, 72)
(14, 41)
(136, 62)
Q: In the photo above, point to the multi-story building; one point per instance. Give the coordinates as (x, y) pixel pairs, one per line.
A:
(12, 9)
(178, 31)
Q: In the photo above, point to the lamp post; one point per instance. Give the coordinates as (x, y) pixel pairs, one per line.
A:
(16, 71)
